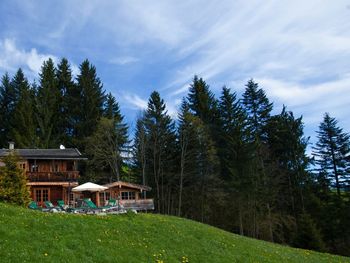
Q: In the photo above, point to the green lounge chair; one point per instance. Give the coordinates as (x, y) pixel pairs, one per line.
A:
(53, 208)
(61, 204)
(34, 205)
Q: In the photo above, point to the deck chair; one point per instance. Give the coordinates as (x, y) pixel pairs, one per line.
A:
(53, 208)
(34, 205)
(61, 204)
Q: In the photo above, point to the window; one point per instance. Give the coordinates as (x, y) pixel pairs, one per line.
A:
(42, 195)
(22, 166)
(128, 195)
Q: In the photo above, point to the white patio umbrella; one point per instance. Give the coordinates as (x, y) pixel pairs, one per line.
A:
(90, 187)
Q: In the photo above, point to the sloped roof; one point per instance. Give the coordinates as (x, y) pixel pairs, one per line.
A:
(130, 185)
(68, 154)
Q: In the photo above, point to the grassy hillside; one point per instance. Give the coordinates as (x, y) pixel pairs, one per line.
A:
(30, 236)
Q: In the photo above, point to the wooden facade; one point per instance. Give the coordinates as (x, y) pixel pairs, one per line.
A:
(51, 173)
(130, 195)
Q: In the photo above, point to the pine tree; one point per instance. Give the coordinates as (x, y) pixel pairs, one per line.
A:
(202, 101)
(258, 108)
(8, 100)
(140, 150)
(68, 102)
(13, 182)
(48, 106)
(91, 94)
(235, 154)
(24, 125)
(332, 152)
(160, 130)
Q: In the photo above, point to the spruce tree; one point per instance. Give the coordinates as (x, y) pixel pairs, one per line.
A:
(8, 100)
(68, 102)
(332, 152)
(48, 106)
(24, 125)
(140, 150)
(258, 109)
(160, 130)
(202, 101)
(91, 94)
(235, 155)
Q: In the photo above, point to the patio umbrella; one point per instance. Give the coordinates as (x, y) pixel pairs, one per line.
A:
(90, 187)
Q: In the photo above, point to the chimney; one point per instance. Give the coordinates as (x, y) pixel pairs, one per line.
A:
(11, 145)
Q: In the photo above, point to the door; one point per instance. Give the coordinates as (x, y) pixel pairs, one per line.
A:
(41, 195)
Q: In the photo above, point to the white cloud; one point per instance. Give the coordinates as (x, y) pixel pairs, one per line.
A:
(11, 58)
(135, 101)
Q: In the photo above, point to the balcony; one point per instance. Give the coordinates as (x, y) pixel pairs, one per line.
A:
(139, 205)
(70, 176)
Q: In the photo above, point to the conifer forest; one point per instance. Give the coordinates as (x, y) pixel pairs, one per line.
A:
(225, 160)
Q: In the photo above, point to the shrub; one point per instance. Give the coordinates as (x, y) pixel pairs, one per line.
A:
(13, 182)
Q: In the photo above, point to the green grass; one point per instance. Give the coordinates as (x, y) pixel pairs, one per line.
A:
(31, 236)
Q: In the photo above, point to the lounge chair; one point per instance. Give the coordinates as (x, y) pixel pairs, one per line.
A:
(53, 208)
(62, 205)
(34, 206)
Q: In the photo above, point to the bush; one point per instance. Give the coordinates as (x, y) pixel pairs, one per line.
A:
(13, 182)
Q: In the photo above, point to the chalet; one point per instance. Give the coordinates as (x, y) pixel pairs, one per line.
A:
(51, 173)
(129, 195)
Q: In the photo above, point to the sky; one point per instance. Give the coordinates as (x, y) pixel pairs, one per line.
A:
(298, 51)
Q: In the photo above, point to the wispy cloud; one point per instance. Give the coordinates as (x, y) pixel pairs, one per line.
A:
(135, 101)
(298, 50)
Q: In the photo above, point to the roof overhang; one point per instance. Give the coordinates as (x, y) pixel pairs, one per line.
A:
(65, 184)
(129, 185)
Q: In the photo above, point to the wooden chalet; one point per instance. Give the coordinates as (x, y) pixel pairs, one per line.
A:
(51, 173)
(131, 196)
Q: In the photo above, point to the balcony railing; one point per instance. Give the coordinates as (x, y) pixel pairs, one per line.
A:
(140, 204)
(53, 176)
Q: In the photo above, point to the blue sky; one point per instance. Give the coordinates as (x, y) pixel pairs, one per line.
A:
(298, 51)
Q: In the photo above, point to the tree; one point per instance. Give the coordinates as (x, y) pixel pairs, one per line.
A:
(24, 125)
(140, 150)
(201, 101)
(235, 154)
(160, 130)
(91, 94)
(8, 100)
(68, 102)
(332, 152)
(48, 105)
(13, 182)
(258, 109)
(104, 151)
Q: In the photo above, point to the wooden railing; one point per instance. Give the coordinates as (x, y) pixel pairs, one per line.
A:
(140, 204)
(53, 176)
